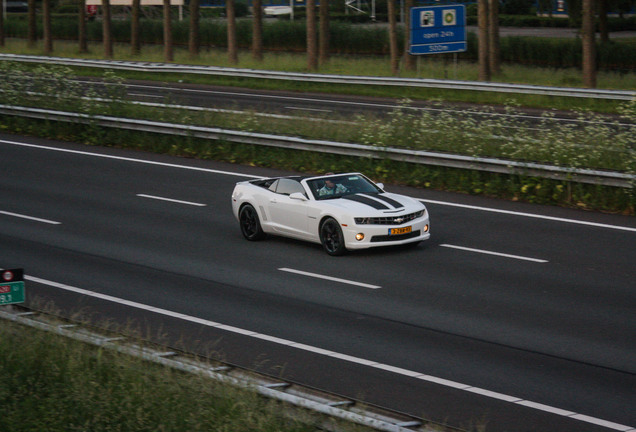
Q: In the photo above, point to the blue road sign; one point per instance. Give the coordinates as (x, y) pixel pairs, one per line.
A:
(438, 29)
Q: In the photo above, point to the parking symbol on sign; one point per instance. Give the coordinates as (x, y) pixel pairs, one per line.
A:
(427, 19)
(450, 17)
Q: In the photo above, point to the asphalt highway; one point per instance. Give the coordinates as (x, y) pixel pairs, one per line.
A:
(513, 317)
(340, 107)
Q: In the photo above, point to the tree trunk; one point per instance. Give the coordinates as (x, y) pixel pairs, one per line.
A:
(168, 51)
(324, 32)
(482, 22)
(393, 45)
(32, 32)
(1, 25)
(46, 26)
(135, 40)
(194, 41)
(409, 60)
(312, 45)
(257, 30)
(589, 44)
(603, 9)
(81, 36)
(108, 39)
(494, 55)
(232, 49)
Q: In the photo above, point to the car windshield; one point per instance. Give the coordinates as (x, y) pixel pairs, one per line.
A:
(341, 185)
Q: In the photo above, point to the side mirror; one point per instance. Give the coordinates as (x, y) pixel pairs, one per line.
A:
(380, 185)
(298, 196)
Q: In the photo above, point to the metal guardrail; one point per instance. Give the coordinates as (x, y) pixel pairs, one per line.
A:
(319, 402)
(618, 95)
(493, 165)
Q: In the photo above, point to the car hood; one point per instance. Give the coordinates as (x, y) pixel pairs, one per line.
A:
(374, 204)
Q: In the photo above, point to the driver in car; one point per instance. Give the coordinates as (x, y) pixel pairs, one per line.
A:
(331, 188)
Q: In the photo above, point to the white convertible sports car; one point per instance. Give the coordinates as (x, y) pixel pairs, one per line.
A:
(340, 211)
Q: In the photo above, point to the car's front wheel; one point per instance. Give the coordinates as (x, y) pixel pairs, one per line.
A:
(331, 237)
(250, 225)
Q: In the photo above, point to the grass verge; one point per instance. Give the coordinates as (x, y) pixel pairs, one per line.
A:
(53, 383)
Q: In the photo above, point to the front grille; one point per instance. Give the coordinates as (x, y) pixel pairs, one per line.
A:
(387, 238)
(389, 220)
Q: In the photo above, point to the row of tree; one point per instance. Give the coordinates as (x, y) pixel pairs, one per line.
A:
(317, 44)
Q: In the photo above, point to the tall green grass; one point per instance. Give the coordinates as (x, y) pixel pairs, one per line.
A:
(50, 383)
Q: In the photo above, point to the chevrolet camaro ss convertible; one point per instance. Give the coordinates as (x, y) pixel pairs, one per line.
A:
(340, 211)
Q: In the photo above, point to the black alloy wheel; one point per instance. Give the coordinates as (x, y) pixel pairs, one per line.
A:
(331, 237)
(250, 225)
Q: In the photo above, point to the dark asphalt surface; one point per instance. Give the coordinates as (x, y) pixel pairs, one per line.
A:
(559, 333)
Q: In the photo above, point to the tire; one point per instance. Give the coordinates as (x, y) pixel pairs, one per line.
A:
(250, 225)
(331, 237)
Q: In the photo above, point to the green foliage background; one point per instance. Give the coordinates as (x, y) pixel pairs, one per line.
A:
(345, 38)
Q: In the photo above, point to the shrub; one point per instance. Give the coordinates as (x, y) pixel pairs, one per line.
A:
(516, 7)
(241, 9)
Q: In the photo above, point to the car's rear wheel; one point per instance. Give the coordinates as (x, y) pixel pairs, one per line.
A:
(331, 237)
(250, 225)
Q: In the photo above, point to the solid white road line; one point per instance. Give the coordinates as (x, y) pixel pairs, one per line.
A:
(344, 357)
(531, 215)
(105, 156)
(266, 115)
(495, 253)
(171, 200)
(330, 278)
(145, 95)
(308, 109)
(30, 218)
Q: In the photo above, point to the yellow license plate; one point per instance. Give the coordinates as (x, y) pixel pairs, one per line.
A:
(398, 231)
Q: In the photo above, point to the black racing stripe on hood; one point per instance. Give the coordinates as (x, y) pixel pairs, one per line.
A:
(368, 201)
(390, 201)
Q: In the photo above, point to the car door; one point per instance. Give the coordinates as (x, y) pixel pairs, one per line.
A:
(288, 215)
